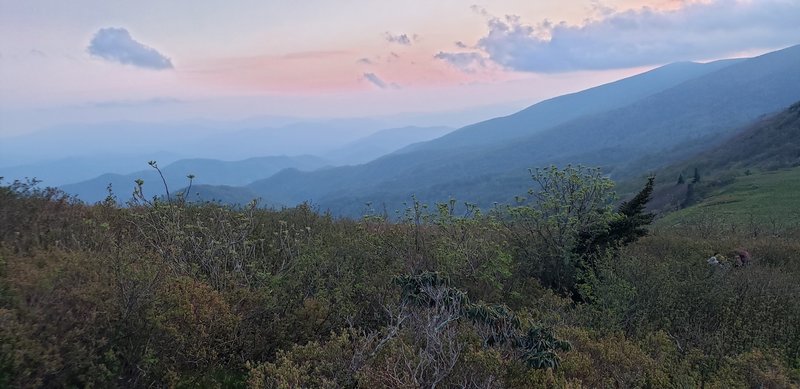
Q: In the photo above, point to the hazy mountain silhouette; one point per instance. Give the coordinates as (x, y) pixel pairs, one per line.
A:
(211, 172)
(75, 169)
(383, 142)
(207, 172)
(107, 138)
(671, 123)
(186, 138)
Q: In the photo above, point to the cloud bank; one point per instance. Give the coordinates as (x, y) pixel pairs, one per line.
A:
(468, 62)
(117, 45)
(645, 36)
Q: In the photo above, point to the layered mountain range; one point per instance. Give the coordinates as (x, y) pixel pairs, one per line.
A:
(628, 128)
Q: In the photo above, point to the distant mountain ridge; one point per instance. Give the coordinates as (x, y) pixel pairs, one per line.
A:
(207, 172)
(211, 172)
(212, 140)
(69, 170)
(384, 142)
(561, 109)
(682, 117)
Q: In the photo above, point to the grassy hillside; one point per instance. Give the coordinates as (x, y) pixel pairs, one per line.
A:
(764, 199)
(752, 177)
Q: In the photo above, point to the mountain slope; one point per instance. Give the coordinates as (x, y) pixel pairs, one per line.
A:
(383, 142)
(306, 138)
(771, 143)
(651, 132)
(752, 158)
(464, 141)
(562, 109)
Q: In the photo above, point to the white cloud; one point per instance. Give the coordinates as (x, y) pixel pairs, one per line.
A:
(117, 45)
(646, 36)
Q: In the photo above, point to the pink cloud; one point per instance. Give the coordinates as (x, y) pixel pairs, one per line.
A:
(295, 72)
(329, 71)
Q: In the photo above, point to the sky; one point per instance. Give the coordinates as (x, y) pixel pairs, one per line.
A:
(100, 60)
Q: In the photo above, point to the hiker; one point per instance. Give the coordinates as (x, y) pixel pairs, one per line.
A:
(737, 260)
(713, 261)
(744, 256)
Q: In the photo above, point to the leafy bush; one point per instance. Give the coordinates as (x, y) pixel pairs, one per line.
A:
(168, 293)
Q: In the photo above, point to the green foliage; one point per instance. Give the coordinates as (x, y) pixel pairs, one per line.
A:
(179, 294)
(628, 225)
(498, 325)
(636, 219)
(568, 230)
(416, 290)
(540, 345)
(547, 228)
(313, 365)
(611, 361)
(753, 369)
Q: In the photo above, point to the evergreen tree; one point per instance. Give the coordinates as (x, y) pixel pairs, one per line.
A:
(633, 224)
(629, 225)
(696, 178)
(681, 180)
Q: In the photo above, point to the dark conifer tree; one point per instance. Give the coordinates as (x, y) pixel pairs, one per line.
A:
(630, 225)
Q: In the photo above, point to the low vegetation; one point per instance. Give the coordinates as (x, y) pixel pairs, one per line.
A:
(762, 202)
(562, 289)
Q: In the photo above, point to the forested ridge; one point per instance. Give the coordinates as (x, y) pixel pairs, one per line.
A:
(567, 288)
